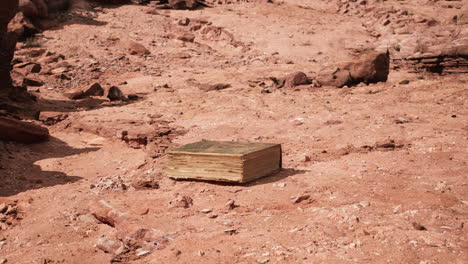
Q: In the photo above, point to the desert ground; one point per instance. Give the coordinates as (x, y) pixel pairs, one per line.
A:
(372, 172)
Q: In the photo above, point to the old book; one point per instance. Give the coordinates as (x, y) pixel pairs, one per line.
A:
(224, 161)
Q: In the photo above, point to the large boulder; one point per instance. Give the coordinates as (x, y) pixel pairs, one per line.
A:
(372, 67)
(8, 9)
(23, 132)
(333, 76)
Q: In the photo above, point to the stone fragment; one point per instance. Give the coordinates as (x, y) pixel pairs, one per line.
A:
(80, 93)
(115, 94)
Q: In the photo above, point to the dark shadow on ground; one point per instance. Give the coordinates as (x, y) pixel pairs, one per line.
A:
(78, 105)
(283, 174)
(18, 173)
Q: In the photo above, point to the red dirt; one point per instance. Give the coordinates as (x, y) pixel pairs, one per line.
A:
(372, 174)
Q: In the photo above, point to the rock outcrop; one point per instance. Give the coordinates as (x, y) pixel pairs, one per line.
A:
(442, 60)
(8, 9)
(23, 132)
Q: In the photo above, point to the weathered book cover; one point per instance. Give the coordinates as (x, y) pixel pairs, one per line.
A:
(224, 161)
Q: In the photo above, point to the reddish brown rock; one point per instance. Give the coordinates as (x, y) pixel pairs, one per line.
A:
(370, 68)
(115, 94)
(145, 182)
(214, 87)
(22, 26)
(28, 67)
(111, 245)
(295, 79)
(181, 201)
(32, 81)
(94, 90)
(19, 131)
(135, 236)
(135, 48)
(333, 76)
(187, 37)
(106, 213)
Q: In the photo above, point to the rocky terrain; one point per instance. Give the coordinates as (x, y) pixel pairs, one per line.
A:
(368, 99)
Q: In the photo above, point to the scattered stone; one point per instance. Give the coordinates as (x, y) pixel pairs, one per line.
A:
(32, 81)
(87, 219)
(105, 213)
(50, 59)
(147, 239)
(212, 216)
(94, 90)
(231, 204)
(8, 216)
(364, 204)
(184, 21)
(231, 231)
(28, 67)
(418, 226)
(281, 184)
(301, 198)
(186, 37)
(405, 82)
(110, 245)
(401, 121)
(387, 145)
(181, 201)
(145, 182)
(115, 94)
(52, 118)
(3, 261)
(135, 48)
(109, 184)
(23, 132)
(140, 252)
(214, 87)
(206, 211)
(396, 209)
(295, 79)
